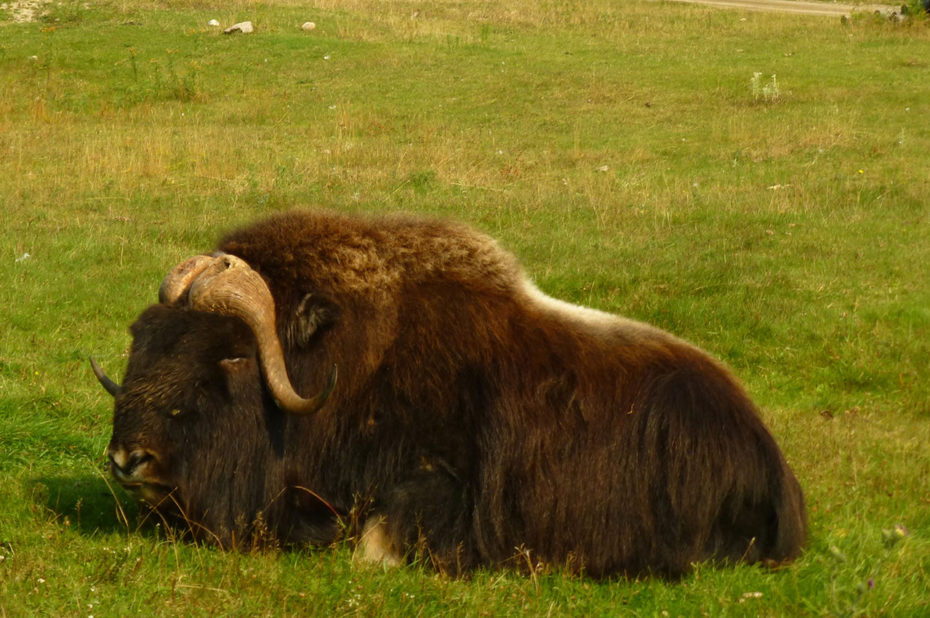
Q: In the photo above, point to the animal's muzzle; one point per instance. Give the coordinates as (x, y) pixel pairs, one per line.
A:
(129, 467)
(135, 471)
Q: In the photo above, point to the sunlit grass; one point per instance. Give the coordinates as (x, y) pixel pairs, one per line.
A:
(617, 148)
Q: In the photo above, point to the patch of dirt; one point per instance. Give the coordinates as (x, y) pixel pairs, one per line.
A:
(25, 10)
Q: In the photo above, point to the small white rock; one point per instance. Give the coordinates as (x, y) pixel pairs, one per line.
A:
(213, 23)
(245, 27)
(308, 26)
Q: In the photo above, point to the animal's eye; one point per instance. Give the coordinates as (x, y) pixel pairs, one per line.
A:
(174, 413)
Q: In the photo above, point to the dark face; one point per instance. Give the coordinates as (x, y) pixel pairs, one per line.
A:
(190, 427)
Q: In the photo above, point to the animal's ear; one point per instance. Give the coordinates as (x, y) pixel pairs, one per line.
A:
(314, 314)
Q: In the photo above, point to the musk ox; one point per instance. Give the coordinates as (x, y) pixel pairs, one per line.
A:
(474, 418)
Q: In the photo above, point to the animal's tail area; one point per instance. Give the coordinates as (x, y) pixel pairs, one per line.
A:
(725, 492)
(762, 518)
(790, 525)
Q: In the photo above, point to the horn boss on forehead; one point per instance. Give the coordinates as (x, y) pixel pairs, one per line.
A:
(475, 414)
(225, 284)
(176, 284)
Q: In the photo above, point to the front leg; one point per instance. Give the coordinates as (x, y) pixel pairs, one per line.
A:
(375, 546)
(427, 517)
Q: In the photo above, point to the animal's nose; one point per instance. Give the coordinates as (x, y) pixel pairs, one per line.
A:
(125, 462)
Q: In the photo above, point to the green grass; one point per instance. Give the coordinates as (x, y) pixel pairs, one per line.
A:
(617, 148)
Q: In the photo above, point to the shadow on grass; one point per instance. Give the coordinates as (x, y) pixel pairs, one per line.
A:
(93, 505)
(90, 504)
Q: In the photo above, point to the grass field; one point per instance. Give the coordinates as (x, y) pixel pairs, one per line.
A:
(626, 151)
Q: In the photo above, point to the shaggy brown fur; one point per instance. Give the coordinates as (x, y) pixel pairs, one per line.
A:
(473, 414)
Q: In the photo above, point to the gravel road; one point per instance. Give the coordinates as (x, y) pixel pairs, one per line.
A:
(797, 6)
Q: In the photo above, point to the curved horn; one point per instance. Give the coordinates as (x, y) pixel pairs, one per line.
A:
(112, 387)
(229, 286)
(179, 280)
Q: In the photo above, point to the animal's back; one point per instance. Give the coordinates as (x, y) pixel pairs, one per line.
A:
(632, 451)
